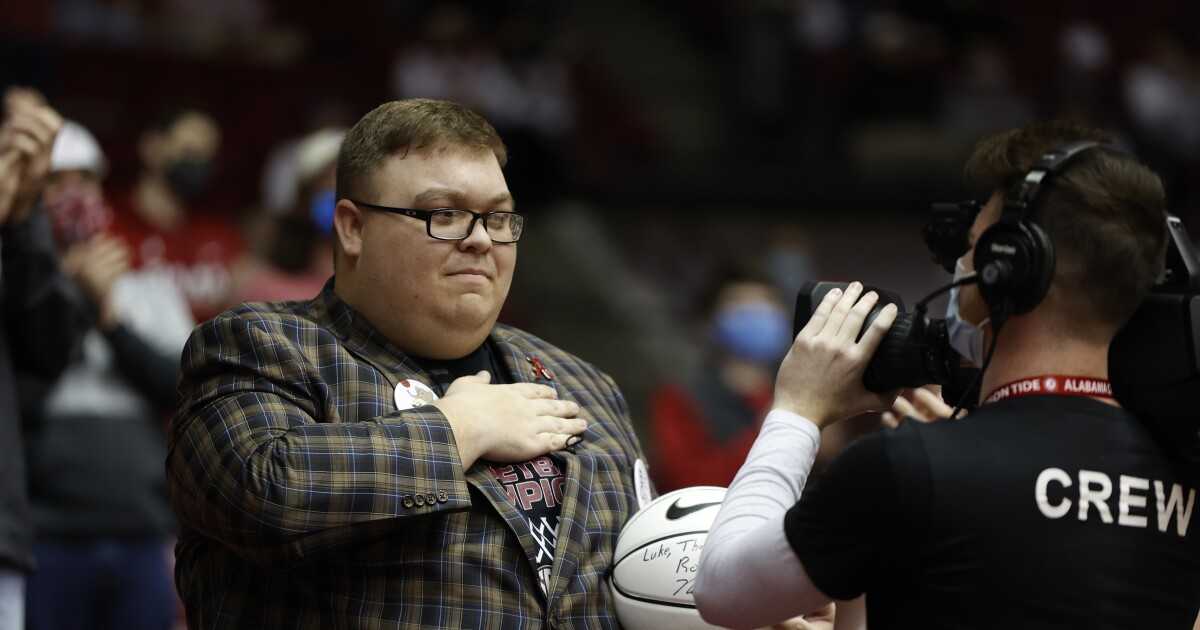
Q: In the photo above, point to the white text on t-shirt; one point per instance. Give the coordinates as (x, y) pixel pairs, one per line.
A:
(1096, 488)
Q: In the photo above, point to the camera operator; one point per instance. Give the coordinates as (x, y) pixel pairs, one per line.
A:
(1049, 506)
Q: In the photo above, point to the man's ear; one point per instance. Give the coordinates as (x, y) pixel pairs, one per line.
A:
(348, 228)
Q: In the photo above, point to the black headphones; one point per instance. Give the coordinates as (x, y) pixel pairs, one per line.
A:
(1014, 257)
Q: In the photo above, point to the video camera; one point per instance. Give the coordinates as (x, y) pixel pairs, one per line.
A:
(1154, 361)
(915, 351)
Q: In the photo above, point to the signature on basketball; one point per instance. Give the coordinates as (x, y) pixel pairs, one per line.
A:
(684, 554)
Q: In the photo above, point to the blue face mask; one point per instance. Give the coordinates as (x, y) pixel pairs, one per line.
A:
(965, 337)
(321, 211)
(755, 331)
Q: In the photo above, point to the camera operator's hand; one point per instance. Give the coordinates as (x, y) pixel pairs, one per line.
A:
(822, 619)
(821, 377)
(923, 404)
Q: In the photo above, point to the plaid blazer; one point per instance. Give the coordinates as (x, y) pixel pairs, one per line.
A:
(308, 501)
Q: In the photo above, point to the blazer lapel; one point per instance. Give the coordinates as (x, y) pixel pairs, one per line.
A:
(572, 521)
(480, 476)
(526, 366)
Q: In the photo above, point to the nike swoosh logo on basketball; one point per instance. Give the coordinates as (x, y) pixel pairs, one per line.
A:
(675, 512)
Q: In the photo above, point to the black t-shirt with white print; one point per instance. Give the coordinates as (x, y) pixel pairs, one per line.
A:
(535, 487)
(1032, 512)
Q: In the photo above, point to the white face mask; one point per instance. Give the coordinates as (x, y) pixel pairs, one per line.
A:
(965, 337)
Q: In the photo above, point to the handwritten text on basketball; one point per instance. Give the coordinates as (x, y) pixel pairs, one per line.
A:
(684, 556)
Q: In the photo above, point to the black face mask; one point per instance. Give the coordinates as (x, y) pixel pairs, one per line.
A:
(188, 177)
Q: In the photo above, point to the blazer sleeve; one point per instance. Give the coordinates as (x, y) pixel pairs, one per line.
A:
(257, 462)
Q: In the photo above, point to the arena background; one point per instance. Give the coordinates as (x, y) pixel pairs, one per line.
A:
(651, 140)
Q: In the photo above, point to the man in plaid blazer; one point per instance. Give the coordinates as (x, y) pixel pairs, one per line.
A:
(386, 455)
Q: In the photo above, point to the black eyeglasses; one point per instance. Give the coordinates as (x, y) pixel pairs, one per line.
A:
(456, 224)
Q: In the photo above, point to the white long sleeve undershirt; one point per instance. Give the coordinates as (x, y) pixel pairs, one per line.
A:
(749, 575)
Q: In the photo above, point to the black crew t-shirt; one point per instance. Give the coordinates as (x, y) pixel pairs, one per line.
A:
(1033, 512)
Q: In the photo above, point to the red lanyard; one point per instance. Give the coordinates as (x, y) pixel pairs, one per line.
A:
(1056, 384)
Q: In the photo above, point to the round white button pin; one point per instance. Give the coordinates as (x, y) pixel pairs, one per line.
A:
(411, 394)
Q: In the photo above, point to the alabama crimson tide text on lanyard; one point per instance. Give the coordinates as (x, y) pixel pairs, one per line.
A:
(1055, 384)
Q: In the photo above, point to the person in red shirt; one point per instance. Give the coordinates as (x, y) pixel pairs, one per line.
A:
(193, 247)
(703, 429)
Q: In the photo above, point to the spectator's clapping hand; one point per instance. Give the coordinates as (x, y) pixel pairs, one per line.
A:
(821, 376)
(95, 265)
(923, 404)
(26, 138)
(507, 423)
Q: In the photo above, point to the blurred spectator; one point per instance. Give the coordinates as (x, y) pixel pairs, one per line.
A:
(96, 445)
(245, 29)
(823, 26)
(981, 97)
(39, 319)
(789, 259)
(539, 96)
(72, 195)
(771, 92)
(280, 189)
(193, 247)
(898, 79)
(297, 257)
(894, 96)
(117, 23)
(205, 26)
(824, 30)
(1085, 86)
(703, 430)
(279, 180)
(451, 61)
(513, 77)
(1161, 92)
(535, 108)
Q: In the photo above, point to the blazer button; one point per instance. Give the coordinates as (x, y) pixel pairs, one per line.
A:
(407, 502)
(430, 498)
(420, 499)
(442, 497)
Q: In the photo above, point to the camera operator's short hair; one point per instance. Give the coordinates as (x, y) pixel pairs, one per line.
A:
(399, 127)
(1105, 215)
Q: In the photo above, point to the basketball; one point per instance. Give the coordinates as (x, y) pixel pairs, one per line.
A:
(657, 557)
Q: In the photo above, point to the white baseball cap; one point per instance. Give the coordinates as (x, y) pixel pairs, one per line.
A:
(317, 151)
(76, 148)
